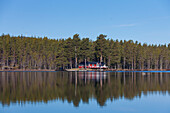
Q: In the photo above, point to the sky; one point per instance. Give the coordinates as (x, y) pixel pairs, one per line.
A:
(145, 21)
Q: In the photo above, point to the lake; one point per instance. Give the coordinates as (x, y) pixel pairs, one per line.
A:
(82, 92)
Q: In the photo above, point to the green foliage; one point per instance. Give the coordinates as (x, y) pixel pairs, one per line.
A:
(101, 46)
(84, 48)
(43, 53)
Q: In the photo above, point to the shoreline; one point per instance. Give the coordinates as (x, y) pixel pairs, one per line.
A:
(107, 70)
(27, 70)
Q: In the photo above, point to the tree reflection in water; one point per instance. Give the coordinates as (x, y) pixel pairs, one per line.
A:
(76, 86)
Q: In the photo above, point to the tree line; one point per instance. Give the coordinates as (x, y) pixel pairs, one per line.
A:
(23, 52)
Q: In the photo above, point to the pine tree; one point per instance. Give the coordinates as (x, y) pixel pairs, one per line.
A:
(43, 53)
(100, 46)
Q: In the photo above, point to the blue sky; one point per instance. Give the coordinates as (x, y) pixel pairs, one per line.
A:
(142, 20)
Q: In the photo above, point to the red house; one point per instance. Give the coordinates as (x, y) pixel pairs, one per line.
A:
(93, 65)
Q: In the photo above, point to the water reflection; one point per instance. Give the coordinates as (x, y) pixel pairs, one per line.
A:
(77, 86)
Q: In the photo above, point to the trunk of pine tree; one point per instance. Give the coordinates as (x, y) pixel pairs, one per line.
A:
(29, 63)
(7, 61)
(156, 64)
(166, 64)
(161, 62)
(151, 62)
(101, 58)
(135, 64)
(75, 57)
(35, 66)
(124, 63)
(140, 65)
(104, 60)
(70, 63)
(118, 66)
(132, 64)
(39, 66)
(109, 62)
(148, 64)
(13, 62)
(63, 66)
(76, 63)
(45, 67)
(85, 63)
(3, 61)
(50, 67)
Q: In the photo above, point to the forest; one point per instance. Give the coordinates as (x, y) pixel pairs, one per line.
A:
(21, 52)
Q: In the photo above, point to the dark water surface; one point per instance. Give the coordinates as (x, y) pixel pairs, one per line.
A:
(82, 92)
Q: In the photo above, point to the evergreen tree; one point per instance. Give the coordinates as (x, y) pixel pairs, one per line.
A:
(43, 53)
(100, 46)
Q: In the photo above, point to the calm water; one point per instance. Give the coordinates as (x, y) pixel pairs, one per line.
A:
(100, 92)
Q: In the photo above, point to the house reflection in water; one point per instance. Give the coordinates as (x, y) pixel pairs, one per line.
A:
(98, 77)
(92, 75)
(79, 86)
(87, 78)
